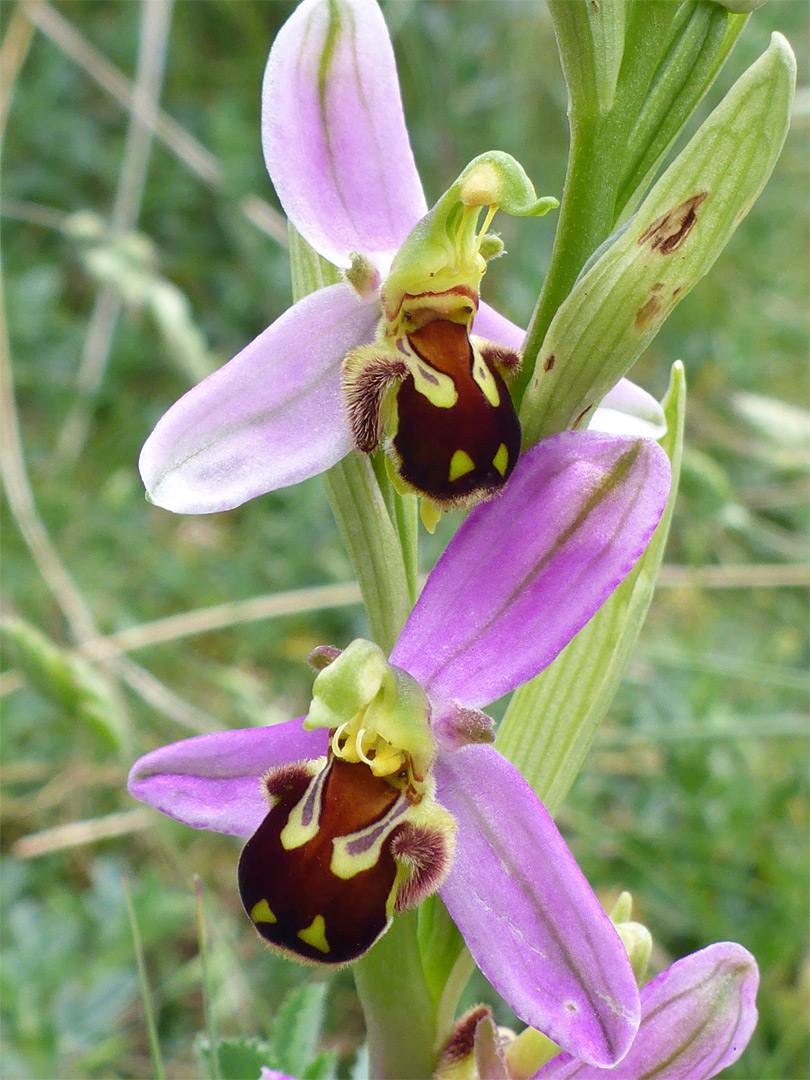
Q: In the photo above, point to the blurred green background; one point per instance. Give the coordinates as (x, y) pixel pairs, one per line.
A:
(695, 796)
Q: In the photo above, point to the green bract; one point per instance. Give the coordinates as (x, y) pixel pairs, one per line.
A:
(591, 38)
(619, 302)
(551, 721)
(635, 936)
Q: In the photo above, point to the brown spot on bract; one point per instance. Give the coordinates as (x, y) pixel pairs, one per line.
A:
(647, 312)
(657, 286)
(582, 415)
(597, 7)
(549, 362)
(668, 232)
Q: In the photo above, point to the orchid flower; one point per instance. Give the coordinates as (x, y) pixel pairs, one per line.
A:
(401, 353)
(697, 1017)
(394, 761)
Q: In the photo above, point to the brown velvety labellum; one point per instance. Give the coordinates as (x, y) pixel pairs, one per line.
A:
(429, 437)
(290, 892)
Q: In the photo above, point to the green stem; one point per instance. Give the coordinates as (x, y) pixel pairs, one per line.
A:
(404, 514)
(399, 1010)
(671, 54)
(373, 545)
(586, 219)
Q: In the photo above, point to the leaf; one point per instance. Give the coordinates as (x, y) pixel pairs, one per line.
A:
(239, 1059)
(590, 34)
(297, 1028)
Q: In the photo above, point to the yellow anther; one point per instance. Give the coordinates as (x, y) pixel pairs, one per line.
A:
(359, 738)
(366, 746)
(338, 739)
(481, 186)
(493, 210)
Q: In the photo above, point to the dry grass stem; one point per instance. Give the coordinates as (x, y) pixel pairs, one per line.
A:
(154, 37)
(736, 576)
(183, 145)
(81, 624)
(13, 52)
(79, 833)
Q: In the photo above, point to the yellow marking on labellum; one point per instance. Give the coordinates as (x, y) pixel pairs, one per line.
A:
(486, 380)
(501, 459)
(460, 464)
(304, 820)
(261, 912)
(436, 386)
(315, 934)
(345, 865)
(361, 850)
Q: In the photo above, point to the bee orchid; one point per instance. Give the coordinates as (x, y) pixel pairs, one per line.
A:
(402, 354)
(390, 788)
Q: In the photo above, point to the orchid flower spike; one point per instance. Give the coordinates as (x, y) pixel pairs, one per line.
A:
(391, 789)
(402, 354)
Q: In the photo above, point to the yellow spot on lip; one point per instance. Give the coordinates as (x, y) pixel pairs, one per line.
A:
(501, 459)
(315, 934)
(460, 464)
(261, 912)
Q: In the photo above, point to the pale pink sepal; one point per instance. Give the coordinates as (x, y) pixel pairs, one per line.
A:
(528, 916)
(629, 410)
(696, 1020)
(212, 781)
(333, 132)
(489, 324)
(527, 570)
(270, 417)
